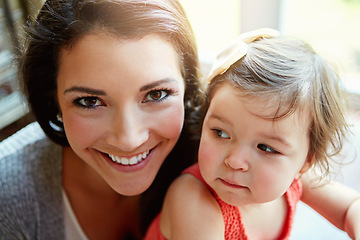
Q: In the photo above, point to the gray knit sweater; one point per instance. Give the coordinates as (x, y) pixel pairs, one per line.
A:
(30, 186)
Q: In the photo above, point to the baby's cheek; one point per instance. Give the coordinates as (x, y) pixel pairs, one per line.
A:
(271, 184)
(207, 157)
(205, 153)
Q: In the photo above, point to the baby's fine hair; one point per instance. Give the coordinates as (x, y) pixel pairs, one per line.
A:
(290, 71)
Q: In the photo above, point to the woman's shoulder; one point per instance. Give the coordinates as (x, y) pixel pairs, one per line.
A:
(30, 182)
(29, 141)
(28, 155)
(16, 142)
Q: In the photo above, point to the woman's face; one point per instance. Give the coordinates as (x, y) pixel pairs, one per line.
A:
(122, 106)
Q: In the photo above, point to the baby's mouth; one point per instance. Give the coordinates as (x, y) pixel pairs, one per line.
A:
(129, 160)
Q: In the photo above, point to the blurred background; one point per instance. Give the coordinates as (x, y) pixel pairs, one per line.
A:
(331, 26)
(13, 15)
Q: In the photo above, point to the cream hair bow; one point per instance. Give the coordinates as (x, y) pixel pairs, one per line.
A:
(237, 49)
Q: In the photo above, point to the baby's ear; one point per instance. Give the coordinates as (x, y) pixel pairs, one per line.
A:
(310, 160)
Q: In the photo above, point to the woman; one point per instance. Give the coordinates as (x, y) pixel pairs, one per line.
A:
(110, 82)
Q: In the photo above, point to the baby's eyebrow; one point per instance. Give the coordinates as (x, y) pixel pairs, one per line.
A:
(278, 139)
(219, 118)
(85, 90)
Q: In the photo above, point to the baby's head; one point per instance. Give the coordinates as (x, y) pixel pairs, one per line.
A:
(265, 66)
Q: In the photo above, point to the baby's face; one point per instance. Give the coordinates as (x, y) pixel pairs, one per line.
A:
(245, 157)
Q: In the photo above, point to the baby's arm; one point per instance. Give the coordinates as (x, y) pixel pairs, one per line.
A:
(338, 203)
(191, 212)
(352, 221)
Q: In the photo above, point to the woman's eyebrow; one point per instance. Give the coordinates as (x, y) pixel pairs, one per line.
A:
(156, 83)
(85, 90)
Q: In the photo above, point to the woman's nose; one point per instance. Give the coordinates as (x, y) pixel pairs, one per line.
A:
(128, 130)
(238, 159)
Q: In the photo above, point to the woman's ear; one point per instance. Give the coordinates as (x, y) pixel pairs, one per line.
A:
(310, 160)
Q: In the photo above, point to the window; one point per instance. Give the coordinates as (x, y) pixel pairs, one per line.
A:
(215, 23)
(332, 27)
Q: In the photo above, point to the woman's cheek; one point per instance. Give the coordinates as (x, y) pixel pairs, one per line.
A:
(171, 122)
(81, 131)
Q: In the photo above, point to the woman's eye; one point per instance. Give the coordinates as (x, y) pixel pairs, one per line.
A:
(157, 95)
(266, 148)
(221, 134)
(89, 102)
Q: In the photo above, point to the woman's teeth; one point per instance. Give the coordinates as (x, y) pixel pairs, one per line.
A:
(129, 161)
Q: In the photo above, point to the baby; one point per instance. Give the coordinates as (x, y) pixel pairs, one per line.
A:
(275, 109)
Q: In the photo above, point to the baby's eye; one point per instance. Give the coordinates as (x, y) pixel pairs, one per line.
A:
(157, 95)
(266, 148)
(221, 133)
(88, 102)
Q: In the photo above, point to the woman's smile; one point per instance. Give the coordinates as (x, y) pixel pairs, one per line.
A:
(123, 160)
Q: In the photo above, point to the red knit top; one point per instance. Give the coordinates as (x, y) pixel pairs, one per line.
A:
(234, 227)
